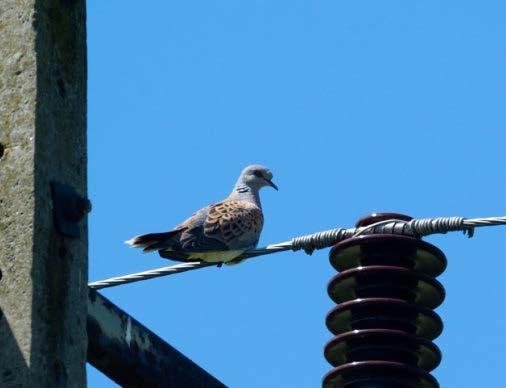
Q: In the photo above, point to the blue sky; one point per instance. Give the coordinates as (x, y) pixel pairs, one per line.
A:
(356, 107)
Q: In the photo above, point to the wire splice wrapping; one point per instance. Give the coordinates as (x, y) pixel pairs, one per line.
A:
(427, 226)
(320, 240)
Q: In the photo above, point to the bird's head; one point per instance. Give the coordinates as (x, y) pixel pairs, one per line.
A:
(256, 177)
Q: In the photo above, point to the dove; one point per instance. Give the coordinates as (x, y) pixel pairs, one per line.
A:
(218, 233)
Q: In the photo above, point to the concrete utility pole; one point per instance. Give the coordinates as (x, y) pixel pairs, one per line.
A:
(43, 284)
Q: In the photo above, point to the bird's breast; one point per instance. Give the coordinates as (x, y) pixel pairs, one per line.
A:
(216, 256)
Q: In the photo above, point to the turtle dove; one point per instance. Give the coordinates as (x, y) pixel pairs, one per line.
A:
(220, 232)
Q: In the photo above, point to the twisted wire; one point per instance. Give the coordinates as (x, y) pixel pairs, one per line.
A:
(310, 243)
(490, 221)
(155, 273)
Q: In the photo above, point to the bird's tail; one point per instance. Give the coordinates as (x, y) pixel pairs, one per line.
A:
(153, 241)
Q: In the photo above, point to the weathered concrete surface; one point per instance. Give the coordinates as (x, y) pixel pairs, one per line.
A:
(43, 289)
(133, 356)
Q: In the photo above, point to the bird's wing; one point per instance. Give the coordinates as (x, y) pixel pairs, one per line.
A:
(193, 239)
(226, 225)
(235, 223)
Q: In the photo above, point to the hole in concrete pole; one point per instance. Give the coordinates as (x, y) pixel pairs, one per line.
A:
(2, 149)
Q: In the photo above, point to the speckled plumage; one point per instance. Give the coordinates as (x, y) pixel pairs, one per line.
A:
(220, 232)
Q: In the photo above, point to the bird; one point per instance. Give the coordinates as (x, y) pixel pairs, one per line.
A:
(219, 233)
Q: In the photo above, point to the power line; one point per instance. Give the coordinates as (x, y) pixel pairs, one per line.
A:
(310, 243)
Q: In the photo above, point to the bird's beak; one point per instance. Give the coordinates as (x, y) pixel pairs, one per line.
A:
(272, 184)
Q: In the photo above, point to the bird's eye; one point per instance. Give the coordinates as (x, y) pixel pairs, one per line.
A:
(258, 174)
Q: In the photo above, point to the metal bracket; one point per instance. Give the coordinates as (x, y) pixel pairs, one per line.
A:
(68, 209)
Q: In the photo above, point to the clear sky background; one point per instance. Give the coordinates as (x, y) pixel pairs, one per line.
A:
(356, 106)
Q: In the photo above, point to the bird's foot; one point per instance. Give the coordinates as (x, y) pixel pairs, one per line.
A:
(234, 261)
